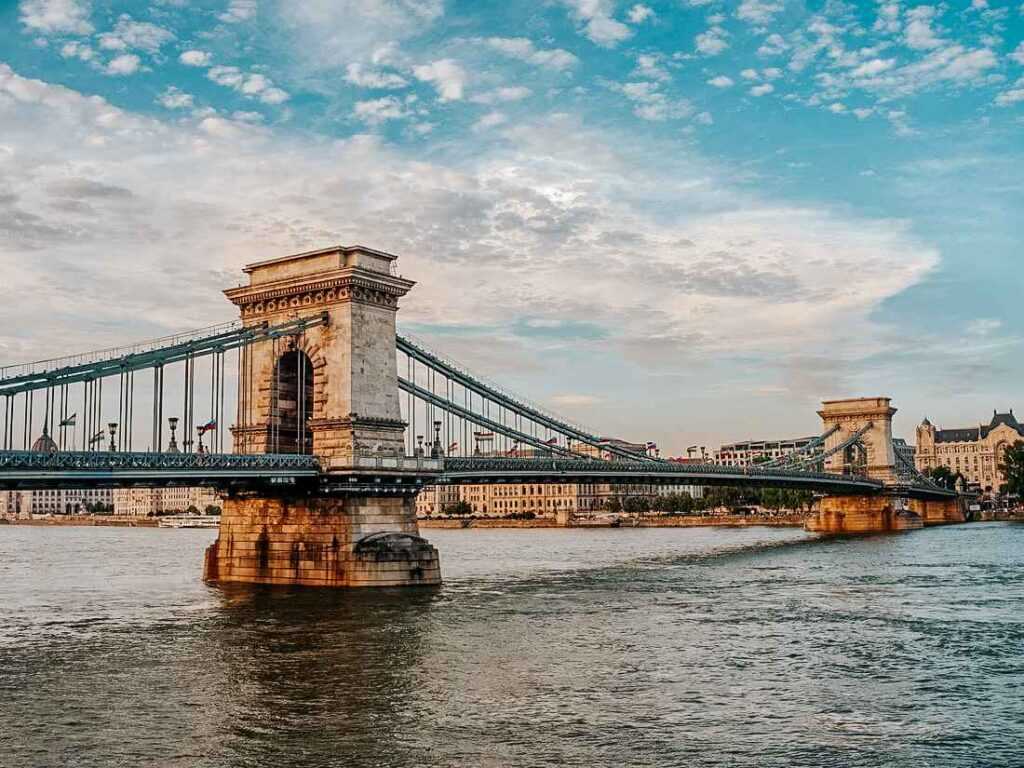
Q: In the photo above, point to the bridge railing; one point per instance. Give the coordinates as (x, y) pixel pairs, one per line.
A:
(598, 466)
(115, 461)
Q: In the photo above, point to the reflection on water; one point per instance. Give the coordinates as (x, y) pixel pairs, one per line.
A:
(752, 647)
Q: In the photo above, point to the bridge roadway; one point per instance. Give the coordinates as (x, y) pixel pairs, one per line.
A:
(37, 470)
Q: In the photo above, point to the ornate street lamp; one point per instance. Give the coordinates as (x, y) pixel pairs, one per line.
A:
(435, 451)
(112, 426)
(173, 445)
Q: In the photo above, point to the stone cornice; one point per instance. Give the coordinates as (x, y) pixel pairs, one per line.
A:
(359, 286)
(353, 421)
(348, 278)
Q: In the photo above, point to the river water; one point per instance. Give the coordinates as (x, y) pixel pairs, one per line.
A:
(660, 647)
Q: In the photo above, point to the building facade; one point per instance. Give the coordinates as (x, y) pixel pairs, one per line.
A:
(541, 499)
(64, 501)
(974, 452)
(749, 452)
(146, 502)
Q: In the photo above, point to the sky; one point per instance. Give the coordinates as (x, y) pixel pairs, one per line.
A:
(686, 221)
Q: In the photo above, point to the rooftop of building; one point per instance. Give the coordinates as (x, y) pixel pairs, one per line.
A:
(980, 432)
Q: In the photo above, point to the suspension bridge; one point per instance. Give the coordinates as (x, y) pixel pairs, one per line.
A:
(339, 421)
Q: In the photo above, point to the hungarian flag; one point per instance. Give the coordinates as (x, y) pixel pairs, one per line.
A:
(208, 427)
(69, 421)
(452, 447)
(98, 437)
(552, 441)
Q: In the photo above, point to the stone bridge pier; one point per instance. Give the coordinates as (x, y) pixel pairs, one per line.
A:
(861, 443)
(332, 391)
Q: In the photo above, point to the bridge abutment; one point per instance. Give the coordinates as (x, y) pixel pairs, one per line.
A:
(939, 511)
(862, 514)
(322, 542)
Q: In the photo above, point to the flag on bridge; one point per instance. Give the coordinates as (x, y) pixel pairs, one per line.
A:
(97, 438)
(208, 427)
(651, 446)
(69, 421)
(552, 441)
(453, 447)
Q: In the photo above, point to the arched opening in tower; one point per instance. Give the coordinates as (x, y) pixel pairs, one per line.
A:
(855, 459)
(293, 404)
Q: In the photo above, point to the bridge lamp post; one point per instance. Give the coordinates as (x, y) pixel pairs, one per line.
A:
(112, 426)
(435, 451)
(173, 445)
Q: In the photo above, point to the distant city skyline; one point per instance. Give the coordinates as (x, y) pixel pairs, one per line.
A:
(685, 221)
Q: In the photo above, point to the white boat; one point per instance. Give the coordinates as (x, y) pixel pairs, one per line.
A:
(189, 521)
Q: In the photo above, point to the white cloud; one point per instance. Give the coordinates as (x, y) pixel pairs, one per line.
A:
(274, 96)
(638, 14)
(490, 120)
(325, 35)
(749, 74)
(773, 45)
(649, 66)
(758, 11)
(523, 49)
(837, 108)
(948, 64)
(251, 85)
(447, 77)
(56, 16)
(366, 77)
(762, 90)
(504, 94)
(377, 111)
(651, 103)
(919, 34)
(128, 34)
(1012, 96)
(125, 64)
(712, 42)
(194, 58)
(863, 113)
(873, 67)
(173, 98)
(888, 19)
(224, 129)
(1018, 54)
(230, 77)
(76, 50)
(721, 81)
(595, 16)
(238, 11)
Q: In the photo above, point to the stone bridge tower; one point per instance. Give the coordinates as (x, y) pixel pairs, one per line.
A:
(330, 390)
(873, 453)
